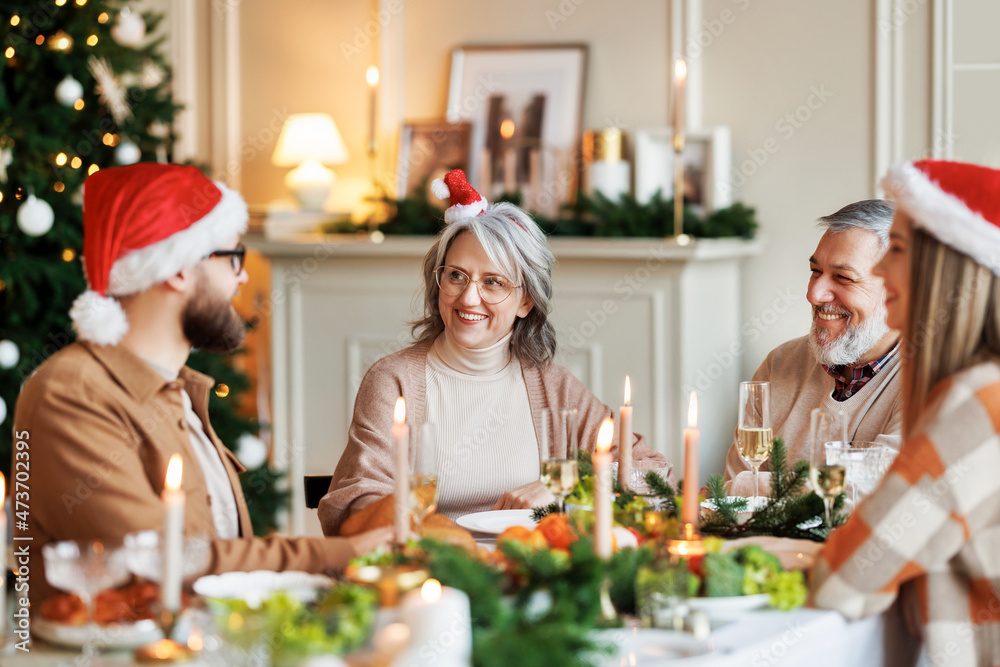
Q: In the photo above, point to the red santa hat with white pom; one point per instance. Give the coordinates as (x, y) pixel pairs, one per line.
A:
(463, 200)
(143, 223)
(955, 202)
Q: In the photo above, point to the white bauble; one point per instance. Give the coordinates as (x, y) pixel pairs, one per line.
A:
(35, 216)
(127, 153)
(69, 91)
(251, 451)
(9, 354)
(129, 28)
(3, 411)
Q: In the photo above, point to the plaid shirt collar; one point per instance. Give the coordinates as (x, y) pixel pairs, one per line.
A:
(849, 385)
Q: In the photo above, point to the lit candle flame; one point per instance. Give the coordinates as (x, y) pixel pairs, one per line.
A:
(371, 75)
(3, 492)
(693, 410)
(399, 414)
(174, 470)
(682, 549)
(431, 590)
(680, 70)
(507, 128)
(628, 391)
(605, 435)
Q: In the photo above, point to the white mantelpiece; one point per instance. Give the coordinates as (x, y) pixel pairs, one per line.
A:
(667, 315)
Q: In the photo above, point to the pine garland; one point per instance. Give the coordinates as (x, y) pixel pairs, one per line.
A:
(785, 515)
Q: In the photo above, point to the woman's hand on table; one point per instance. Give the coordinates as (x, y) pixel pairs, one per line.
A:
(526, 496)
(366, 542)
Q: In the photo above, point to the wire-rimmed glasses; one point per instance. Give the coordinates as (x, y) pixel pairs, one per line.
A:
(493, 289)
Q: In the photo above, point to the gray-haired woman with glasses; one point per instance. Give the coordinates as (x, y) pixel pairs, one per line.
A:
(481, 370)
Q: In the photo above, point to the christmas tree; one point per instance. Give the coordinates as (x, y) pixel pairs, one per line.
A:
(84, 87)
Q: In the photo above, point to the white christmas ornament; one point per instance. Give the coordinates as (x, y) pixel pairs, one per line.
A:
(251, 451)
(69, 91)
(9, 354)
(129, 28)
(3, 411)
(127, 153)
(152, 75)
(35, 216)
(6, 157)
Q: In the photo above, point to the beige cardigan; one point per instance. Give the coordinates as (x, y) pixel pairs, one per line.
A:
(365, 471)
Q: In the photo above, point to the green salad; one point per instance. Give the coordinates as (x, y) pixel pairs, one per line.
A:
(749, 570)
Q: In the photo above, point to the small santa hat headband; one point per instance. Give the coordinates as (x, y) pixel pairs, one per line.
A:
(143, 223)
(463, 200)
(955, 202)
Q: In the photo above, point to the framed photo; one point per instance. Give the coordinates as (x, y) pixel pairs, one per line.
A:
(525, 104)
(707, 159)
(428, 150)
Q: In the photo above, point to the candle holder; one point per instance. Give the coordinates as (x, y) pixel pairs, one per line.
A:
(688, 545)
(166, 650)
(678, 142)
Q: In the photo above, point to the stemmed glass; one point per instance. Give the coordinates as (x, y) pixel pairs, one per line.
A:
(144, 555)
(84, 568)
(826, 470)
(557, 454)
(864, 462)
(753, 430)
(423, 478)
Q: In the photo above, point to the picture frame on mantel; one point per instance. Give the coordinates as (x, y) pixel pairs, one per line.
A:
(525, 104)
(429, 149)
(707, 165)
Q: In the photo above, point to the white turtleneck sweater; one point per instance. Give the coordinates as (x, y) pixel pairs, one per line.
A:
(486, 441)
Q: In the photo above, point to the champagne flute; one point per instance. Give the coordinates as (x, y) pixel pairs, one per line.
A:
(557, 452)
(753, 431)
(423, 498)
(826, 469)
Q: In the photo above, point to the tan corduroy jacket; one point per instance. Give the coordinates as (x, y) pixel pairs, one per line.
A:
(100, 426)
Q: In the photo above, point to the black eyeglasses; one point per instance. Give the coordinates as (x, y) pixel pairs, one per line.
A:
(237, 256)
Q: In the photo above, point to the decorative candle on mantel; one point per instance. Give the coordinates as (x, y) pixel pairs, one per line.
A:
(401, 438)
(691, 505)
(371, 76)
(173, 535)
(602, 489)
(434, 612)
(680, 79)
(625, 439)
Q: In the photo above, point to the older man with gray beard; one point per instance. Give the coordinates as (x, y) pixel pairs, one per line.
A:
(849, 362)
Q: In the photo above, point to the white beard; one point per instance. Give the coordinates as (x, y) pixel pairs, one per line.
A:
(849, 347)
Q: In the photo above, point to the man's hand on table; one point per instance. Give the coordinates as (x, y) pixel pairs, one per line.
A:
(527, 496)
(367, 542)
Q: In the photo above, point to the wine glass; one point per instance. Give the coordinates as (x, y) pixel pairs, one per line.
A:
(826, 469)
(423, 478)
(84, 568)
(144, 555)
(753, 430)
(557, 453)
(864, 462)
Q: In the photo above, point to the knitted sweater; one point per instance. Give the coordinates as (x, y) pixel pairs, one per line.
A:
(931, 530)
(365, 471)
(799, 384)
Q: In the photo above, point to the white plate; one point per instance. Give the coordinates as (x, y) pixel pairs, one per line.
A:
(497, 521)
(720, 610)
(793, 554)
(253, 587)
(112, 636)
(648, 647)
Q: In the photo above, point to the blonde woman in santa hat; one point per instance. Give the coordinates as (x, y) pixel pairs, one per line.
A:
(930, 532)
(103, 416)
(481, 370)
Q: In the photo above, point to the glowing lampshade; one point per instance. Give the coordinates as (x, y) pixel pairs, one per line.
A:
(307, 142)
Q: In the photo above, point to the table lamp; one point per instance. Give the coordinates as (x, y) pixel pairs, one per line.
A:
(307, 142)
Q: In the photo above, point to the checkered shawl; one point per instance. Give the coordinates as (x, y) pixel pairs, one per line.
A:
(932, 528)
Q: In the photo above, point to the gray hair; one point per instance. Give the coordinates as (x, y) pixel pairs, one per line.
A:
(516, 245)
(871, 215)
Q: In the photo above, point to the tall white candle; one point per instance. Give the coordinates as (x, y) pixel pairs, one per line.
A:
(440, 622)
(173, 536)
(401, 438)
(625, 439)
(691, 487)
(371, 75)
(602, 489)
(3, 561)
(680, 79)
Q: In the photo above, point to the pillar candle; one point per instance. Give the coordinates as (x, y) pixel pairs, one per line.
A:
(691, 505)
(602, 489)
(371, 75)
(625, 439)
(401, 438)
(3, 561)
(173, 536)
(440, 621)
(680, 79)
